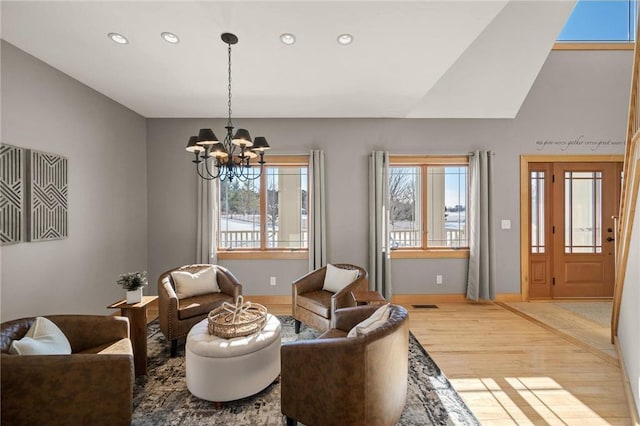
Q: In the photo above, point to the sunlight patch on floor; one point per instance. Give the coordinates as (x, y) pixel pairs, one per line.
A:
(525, 400)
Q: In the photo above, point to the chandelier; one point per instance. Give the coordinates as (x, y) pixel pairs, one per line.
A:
(230, 158)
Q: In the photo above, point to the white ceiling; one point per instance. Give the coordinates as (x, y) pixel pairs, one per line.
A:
(450, 59)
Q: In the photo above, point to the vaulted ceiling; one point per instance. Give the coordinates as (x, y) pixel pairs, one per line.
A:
(419, 59)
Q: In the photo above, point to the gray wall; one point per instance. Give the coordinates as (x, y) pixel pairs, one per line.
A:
(105, 144)
(578, 96)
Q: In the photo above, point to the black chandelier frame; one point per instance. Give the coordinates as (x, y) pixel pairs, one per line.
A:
(232, 156)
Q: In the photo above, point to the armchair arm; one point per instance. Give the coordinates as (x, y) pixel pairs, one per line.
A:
(228, 283)
(167, 305)
(343, 298)
(66, 389)
(312, 281)
(336, 368)
(90, 331)
(347, 318)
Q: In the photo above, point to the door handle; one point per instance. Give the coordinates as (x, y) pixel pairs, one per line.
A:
(610, 239)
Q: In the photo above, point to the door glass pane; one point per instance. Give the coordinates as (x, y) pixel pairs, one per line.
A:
(583, 212)
(537, 212)
(447, 206)
(240, 213)
(405, 207)
(286, 219)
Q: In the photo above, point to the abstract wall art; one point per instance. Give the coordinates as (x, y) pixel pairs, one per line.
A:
(47, 202)
(12, 190)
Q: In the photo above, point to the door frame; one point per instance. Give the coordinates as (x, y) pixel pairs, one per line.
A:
(525, 160)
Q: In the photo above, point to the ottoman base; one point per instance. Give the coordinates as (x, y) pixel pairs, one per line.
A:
(235, 377)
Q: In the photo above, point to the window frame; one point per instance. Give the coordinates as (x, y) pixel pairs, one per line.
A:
(586, 43)
(263, 252)
(424, 162)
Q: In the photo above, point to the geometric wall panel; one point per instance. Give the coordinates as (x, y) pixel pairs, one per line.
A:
(48, 196)
(12, 189)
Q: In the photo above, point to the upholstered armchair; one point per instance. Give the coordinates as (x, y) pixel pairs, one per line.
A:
(181, 310)
(314, 305)
(91, 386)
(340, 380)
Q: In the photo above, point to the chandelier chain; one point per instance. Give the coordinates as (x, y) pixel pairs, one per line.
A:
(229, 87)
(222, 154)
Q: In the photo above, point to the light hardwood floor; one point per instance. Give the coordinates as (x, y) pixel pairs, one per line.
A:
(592, 335)
(512, 371)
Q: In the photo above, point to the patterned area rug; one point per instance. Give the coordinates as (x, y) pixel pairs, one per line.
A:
(162, 398)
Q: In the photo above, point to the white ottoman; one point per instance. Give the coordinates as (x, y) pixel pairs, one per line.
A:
(228, 369)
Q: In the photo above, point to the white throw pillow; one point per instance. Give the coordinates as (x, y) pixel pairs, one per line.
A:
(43, 338)
(377, 319)
(336, 279)
(202, 282)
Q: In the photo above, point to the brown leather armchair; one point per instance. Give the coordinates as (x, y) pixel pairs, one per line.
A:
(177, 316)
(339, 380)
(314, 306)
(92, 386)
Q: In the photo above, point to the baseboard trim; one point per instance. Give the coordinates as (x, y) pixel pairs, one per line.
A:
(410, 299)
(400, 299)
(426, 299)
(628, 393)
(509, 297)
(269, 299)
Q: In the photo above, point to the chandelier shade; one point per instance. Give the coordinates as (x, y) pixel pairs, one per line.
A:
(192, 145)
(207, 137)
(242, 138)
(230, 158)
(260, 144)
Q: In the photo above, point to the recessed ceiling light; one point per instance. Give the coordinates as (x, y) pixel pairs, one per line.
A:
(287, 38)
(118, 38)
(170, 37)
(345, 39)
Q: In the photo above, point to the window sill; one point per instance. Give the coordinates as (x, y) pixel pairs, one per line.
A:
(266, 254)
(462, 253)
(565, 45)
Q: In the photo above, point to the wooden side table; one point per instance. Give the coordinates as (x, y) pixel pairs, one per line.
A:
(137, 314)
(368, 297)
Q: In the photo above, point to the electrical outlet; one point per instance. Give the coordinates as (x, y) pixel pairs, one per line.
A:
(273, 281)
(438, 279)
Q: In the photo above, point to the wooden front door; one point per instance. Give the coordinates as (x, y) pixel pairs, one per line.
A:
(571, 228)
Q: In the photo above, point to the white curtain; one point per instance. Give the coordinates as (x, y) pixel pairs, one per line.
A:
(207, 221)
(481, 277)
(379, 253)
(317, 223)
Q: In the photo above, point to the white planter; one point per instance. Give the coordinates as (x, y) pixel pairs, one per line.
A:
(134, 296)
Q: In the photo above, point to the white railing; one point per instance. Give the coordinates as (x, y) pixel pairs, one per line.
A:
(244, 238)
(405, 238)
(251, 239)
(411, 238)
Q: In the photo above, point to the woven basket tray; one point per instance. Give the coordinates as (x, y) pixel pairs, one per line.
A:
(238, 320)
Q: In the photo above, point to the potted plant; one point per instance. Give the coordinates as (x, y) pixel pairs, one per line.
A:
(133, 282)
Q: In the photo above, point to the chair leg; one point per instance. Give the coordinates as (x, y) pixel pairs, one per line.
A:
(291, 422)
(297, 326)
(174, 348)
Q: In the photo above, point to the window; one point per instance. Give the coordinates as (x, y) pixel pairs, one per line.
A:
(601, 21)
(267, 213)
(537, 211)
(428, 203)
(583, 212)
